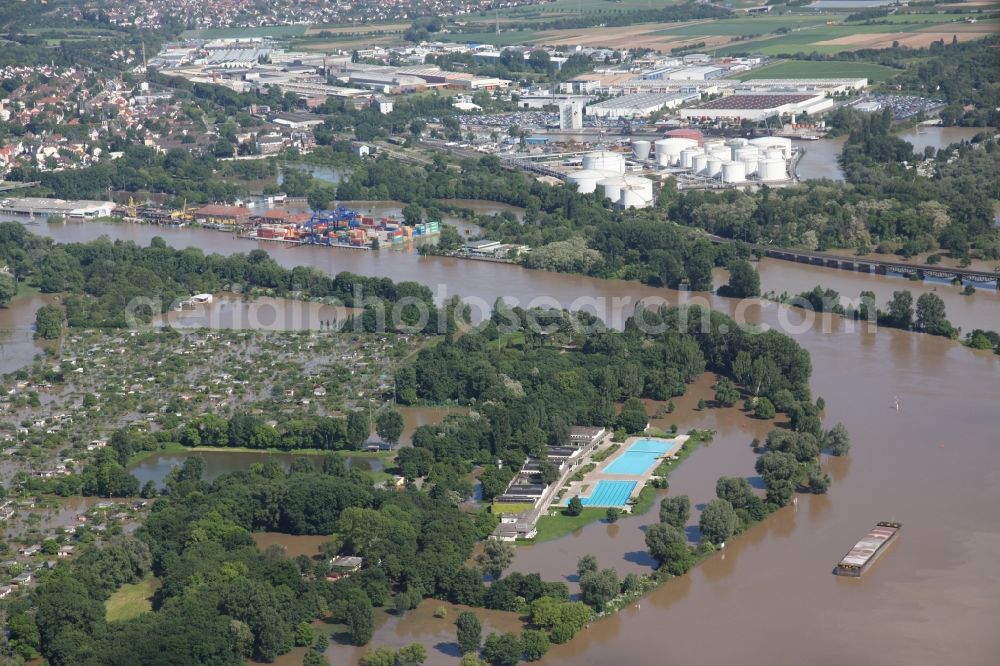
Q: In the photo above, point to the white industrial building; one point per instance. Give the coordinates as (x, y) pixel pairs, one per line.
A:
(639, 105)
(701, 73)
(754, 106)
(77, 209)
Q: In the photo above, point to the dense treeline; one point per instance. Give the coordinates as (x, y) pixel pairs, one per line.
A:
(109, 282)
(885, 204)
(221, 601)
(530, 386)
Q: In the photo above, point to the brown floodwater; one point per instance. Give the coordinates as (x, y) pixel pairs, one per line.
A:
(17, 328)
(156, 467)
(934, 465)
(261, 313)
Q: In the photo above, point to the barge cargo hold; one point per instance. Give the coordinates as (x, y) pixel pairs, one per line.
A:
(869, 549)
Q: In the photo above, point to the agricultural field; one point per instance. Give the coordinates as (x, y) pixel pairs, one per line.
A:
(505, 38)
(817, 69)
(278, 31)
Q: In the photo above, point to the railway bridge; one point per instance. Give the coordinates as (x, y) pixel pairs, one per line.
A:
(873, 266)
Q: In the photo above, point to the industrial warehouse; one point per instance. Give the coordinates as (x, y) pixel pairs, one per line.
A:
(758, 106)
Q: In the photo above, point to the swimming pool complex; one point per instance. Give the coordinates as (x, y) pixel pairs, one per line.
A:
(639, 457)
(609, 493)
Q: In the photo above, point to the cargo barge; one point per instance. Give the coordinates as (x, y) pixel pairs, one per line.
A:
(870, 548)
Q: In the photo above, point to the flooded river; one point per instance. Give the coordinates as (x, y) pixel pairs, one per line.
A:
(820, 157)
(934, 465)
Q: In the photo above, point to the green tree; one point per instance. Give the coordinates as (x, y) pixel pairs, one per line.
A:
(744, 281)
(726, 394)
(575, 506)
(359, 618)
(496, 556)
(389, 425)
(669, 546)
(468, 632)
(413, 654)
(358, 428)
(764, 408)
(8, 289)
(837, 440)
(48, 322)
(535, 643)
(380, 656)
(503, 650)
(718, 521)
(313, 658)
(675, 510)
(900, 310)
(931, 316)
(613, 514)
(597, 588)
(586, 564)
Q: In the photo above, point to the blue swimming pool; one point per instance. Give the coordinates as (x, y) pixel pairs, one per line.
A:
(639, 457)
(609, 493)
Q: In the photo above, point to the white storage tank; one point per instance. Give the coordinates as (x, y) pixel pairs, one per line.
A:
(604, 160)
(687, 157)
(640, 183)
(640, 150)
(635, 197)
(713, 167)
(746, 152)
(771, 169)
(738, 142)
(586, 180)
(668, 151)
(612, 187)
(700, 163)
(750, 164)
(724, 154)
(734, 172)
(774, 154)
(713, 144)
(774, 142)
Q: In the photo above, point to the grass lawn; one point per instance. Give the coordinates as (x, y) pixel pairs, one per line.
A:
(132, 600)
(817, 69)
(554, 527)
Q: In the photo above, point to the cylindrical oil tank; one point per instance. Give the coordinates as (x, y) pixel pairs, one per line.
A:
(640, 183)
(612, 187)
(779, 142)
(738, 142)
(635, 197)
(604, 160)
(586, 180)
(750, 163)
(699, 163)
(771, 169)
(640, 150)
(734, 172)
(746, 152)
(668, 151)
(687, 156)
(713, 167)
(774, 154)
(724, 154)
(713, 144)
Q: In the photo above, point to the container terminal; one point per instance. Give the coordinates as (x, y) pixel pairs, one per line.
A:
(866, 551)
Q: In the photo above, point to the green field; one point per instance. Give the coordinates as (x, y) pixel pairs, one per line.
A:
(748, 25)
(131, 600)
(820, 69)
(278, 31)
(505, 38)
